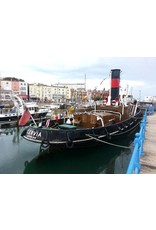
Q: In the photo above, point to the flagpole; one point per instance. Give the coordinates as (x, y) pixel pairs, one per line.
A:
(29, 111)
(33, 119)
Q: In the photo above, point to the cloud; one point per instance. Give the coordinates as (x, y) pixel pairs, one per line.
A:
(138, 73)
(133, 83)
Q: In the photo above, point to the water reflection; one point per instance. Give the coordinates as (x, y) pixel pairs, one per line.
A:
(102, 160)
(14, 151)
(20, 156)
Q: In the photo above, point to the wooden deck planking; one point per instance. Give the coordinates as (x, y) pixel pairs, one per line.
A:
(148, 161)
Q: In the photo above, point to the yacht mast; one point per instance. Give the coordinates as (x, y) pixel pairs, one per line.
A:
(85, 82)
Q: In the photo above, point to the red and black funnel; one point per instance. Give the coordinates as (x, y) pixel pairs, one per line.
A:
(115, 83)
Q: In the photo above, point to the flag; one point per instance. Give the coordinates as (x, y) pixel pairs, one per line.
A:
(70, 110)
(40, 124)
(25, 117)
(56, 117)
(47, 123)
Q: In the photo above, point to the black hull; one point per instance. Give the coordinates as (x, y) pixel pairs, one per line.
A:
(8, 118)
(81, 138)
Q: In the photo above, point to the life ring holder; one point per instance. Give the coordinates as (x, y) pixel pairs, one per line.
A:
(45, 142)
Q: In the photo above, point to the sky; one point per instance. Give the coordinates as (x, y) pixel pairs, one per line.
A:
(62, 41)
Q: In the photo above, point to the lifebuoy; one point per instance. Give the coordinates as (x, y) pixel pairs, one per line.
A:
(45, 144)
(69, 144)
(26, 163)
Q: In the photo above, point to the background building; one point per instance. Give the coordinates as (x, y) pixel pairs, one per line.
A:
(45, 93)
(13, 85)
(76, 92)
(59, 93)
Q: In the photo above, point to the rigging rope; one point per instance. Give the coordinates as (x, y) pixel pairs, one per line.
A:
(108, 143)
(100, 83)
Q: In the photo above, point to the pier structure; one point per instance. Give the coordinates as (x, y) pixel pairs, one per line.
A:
(143, 158)
(148, 160)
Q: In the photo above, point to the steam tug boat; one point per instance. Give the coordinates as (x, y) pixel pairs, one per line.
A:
(91, 128)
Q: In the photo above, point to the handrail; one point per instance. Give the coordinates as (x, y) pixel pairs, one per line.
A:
(134, 165)
(105, 110)
(150, 110)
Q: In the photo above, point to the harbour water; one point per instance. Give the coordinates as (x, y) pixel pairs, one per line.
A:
(18, 156)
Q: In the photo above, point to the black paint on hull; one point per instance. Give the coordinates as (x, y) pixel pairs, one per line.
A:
(81, 138)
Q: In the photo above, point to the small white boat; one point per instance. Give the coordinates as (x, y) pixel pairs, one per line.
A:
(16, 111)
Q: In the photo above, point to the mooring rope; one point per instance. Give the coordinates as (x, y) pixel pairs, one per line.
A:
(108, 143)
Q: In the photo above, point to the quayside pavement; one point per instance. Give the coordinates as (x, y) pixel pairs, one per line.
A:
(148, 160)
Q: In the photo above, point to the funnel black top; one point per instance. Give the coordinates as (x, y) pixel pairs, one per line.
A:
(115, 73)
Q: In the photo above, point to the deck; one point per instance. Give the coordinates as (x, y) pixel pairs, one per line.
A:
(148, 161)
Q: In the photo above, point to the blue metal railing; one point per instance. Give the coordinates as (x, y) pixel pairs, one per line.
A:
(150, 110)
(134, 165)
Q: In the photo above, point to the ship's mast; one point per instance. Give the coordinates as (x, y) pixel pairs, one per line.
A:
(85, 82)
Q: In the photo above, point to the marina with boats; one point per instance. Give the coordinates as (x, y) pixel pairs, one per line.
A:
(74, 128)
(15, 108)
